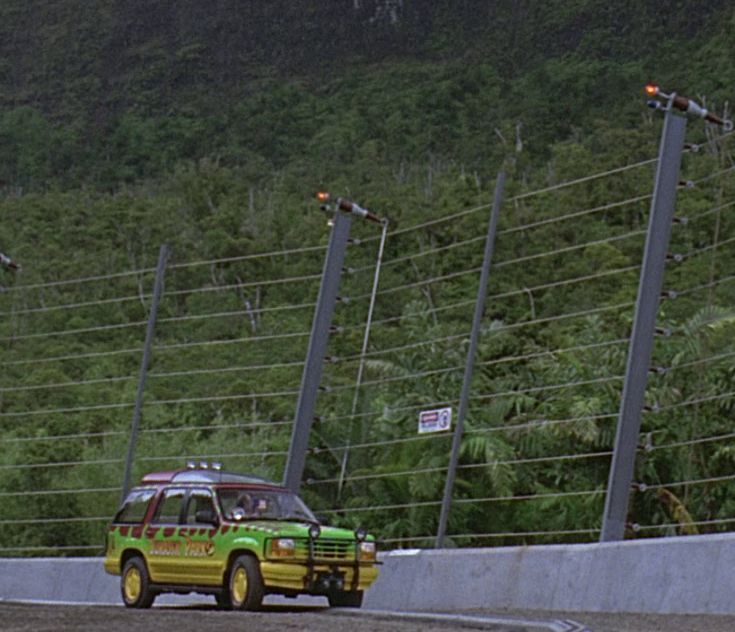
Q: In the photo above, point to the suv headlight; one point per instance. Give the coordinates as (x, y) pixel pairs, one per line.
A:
(367, 551)
(283, 547)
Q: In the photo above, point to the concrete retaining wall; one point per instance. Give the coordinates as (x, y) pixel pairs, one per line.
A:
(670, 575)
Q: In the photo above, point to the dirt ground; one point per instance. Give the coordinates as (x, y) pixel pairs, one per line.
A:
(53, 618)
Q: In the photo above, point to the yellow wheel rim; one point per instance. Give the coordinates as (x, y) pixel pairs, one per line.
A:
(132, 585)
(239, 587)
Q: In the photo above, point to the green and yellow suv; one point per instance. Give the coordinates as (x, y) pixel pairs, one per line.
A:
(236, 537)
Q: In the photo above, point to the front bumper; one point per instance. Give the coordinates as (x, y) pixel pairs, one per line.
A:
(317, 578)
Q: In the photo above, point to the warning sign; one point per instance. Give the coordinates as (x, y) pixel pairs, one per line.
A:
(435, 420)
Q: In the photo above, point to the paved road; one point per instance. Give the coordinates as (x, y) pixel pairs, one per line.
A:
(55, 618)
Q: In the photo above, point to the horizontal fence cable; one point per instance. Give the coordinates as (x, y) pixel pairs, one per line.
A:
(513, 326)
(416, 284)
(567, 249)
(550, 387)
(239, 426)
(60, 492)
(523, 534)
(468, 466)
(595, 176)
(679, 525)
(228, 369)
(255, 311)
(700, 361)
(71, 384)
(563, 282)
(695, 253)
(691, 442)
(391, 410)
(223, 455)
(525, 497)
(394, 319)
(657, 409)
(348, 510)
(392, 379)
(237, 286)
(232, 341)
(475, 270)
(424, 253)
(541, 423)
(88, 279)
(248, 257)
(155, 402)
(431, 222)
(475, 240)
(694, 482)
(53, 547)
(711, 211)
(70, 519)
(67, 437)
(530, 425)
(704, 286)
(72, 356)
(70, 332)
(96, 303)
(548, 353)
(575, 214)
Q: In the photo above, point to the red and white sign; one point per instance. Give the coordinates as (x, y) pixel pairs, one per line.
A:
(435, 420)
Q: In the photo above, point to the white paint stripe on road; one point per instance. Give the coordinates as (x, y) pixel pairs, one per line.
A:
(553, 625)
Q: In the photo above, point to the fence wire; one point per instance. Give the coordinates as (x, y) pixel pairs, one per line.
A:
(232, 335)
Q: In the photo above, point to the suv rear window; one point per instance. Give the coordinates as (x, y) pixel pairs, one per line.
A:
(135, 506)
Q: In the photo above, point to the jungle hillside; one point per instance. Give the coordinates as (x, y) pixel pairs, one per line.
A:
(208, 126)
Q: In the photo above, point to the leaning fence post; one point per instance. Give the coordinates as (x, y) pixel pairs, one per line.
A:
(644, 326)
(145, 362)
(469, 363)
(318, 341)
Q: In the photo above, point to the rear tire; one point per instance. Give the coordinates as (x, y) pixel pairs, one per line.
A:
(245, 589)
(135, 584)
(345, 599)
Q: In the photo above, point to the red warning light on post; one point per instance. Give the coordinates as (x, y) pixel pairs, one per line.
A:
(651, 89)
(322, 196)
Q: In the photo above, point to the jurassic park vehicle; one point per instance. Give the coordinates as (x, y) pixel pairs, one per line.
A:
(233, 536)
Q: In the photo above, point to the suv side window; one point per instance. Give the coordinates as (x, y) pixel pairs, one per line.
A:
(169, 507)
(134, 508)
(199, 500)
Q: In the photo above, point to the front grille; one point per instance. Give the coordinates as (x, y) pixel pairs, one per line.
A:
(334, 549)
(326, 550)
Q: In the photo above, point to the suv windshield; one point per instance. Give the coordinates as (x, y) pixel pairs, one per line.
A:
(249, 504)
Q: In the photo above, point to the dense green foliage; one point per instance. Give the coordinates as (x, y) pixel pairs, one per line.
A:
(125, 125)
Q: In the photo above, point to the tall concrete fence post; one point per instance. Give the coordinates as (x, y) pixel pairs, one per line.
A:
(320, 327)
(145, 363)
(470, 360)
(644, 325)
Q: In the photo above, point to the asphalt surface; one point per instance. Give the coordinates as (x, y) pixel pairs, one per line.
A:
(47, 618)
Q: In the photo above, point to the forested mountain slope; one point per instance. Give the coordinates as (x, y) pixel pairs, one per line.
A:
(208, 125)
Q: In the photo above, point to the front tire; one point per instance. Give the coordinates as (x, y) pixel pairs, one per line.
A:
(345, 599)
(135, 584)
(245, 589)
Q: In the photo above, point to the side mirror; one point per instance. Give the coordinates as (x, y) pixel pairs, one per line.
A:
(206, 516)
